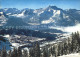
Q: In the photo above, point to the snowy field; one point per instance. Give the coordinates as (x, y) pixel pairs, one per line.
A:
(71, 55)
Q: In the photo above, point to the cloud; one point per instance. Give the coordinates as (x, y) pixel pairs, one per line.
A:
(72, 28)
(68, 29)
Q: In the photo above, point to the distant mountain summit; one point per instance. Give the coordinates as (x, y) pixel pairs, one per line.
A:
(54, 7)
(51, 15)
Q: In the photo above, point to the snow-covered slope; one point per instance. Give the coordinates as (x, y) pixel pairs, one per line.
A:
(49, 15)
(3, 19)
(71, 55)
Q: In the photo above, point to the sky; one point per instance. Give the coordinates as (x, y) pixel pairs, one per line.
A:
(36, 4)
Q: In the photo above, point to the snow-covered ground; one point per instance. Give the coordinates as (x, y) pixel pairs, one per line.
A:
(71, 55)
(21, 40)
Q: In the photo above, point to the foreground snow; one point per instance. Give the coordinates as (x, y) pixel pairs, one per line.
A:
(71, 55)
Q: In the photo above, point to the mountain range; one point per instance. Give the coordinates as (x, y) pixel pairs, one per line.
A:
(50, 15)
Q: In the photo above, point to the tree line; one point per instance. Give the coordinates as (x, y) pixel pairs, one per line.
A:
(71, 45)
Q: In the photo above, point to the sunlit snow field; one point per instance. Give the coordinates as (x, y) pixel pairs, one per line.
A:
(71, 55)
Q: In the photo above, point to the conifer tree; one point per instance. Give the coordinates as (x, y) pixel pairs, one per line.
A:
(56, 50)
(14, 53)
(25, 53)
(37, 50)
(4, 53)
(19, 52)
(45, 53)
(0, 52)
(10, 53)
(31, 52)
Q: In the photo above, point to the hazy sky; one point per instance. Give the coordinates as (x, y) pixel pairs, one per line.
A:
(35, 4)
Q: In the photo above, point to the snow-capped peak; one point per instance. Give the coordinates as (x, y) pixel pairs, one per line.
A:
(6, 9)
(19, 15)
